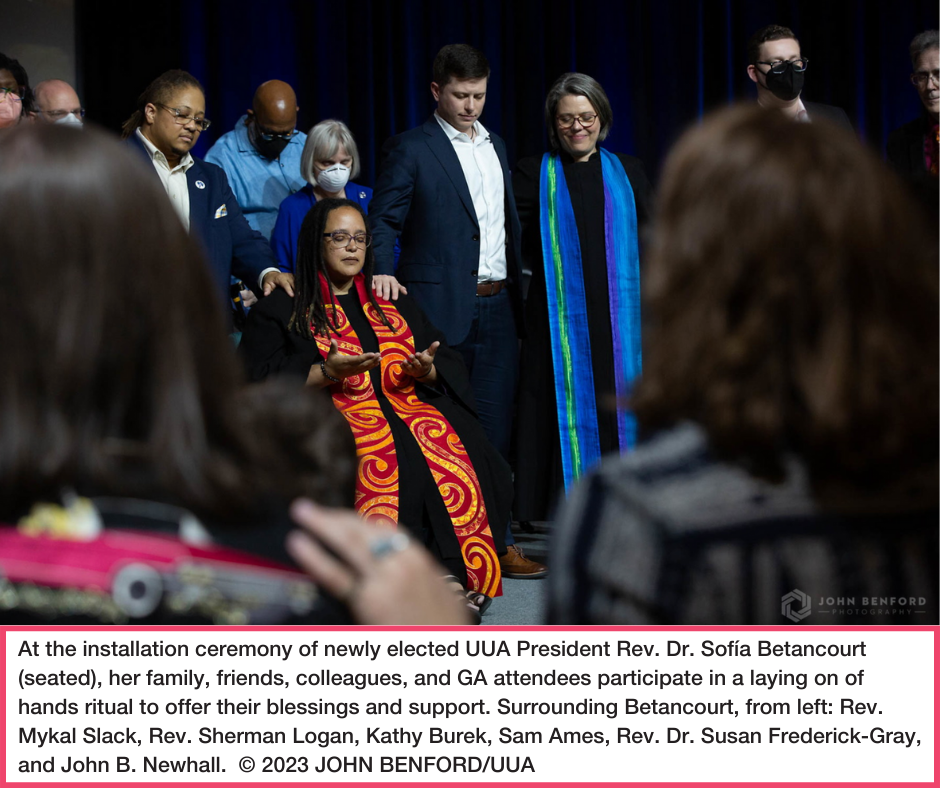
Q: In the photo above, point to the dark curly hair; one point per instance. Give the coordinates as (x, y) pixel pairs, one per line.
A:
(793, 293)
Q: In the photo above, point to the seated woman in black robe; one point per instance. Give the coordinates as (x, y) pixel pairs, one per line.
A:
(424, 460)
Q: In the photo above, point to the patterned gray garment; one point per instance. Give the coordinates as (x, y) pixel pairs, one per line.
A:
(671, 535)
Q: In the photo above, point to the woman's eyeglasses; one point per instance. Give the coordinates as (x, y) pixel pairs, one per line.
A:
(341, 238)
(586, 119)
(182, 120)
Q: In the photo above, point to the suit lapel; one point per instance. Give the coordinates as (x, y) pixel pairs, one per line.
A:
(443, 149)
(139, 148)
(200, 212)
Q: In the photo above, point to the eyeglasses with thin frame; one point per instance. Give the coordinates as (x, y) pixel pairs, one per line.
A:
(182, 120)
(9, 93)
(586, 119)
(921, 78)
(341, 238)
(55, 114)
(779, 66)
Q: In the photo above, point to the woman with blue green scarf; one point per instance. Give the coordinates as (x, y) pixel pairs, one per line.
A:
(580, 208)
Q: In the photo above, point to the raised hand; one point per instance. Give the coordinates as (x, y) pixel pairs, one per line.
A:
(421, 365)
(339, 366)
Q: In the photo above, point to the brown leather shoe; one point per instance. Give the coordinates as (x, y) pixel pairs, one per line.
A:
(516, 566)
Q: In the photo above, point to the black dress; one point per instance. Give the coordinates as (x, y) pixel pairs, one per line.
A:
(538, 477)
(269, 348)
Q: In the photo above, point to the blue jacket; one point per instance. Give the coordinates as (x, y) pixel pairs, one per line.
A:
(291, 216)
(421, 197)
(231, 246)
(260, 184)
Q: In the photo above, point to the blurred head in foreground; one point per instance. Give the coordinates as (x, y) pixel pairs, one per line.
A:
(104, 384)
(793, 295)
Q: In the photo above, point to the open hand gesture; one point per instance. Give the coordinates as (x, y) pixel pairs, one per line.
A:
(341, 366)
(421, 365)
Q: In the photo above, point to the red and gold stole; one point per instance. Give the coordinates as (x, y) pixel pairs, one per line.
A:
(444, 452)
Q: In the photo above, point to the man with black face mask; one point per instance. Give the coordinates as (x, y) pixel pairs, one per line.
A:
(261, 156)
(778, 68)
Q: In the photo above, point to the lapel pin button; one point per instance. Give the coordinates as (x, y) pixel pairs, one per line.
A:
(200, 185)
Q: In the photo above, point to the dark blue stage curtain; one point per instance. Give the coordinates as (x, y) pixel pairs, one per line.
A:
(663, 63)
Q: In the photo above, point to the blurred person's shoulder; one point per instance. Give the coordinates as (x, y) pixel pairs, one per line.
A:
(676, 479)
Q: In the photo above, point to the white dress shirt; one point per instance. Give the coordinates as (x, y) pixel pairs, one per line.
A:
(177, 188)
(173, 179)
(484, 176)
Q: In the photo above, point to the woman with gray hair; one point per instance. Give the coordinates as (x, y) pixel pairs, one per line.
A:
(330, 159)
(580, 208)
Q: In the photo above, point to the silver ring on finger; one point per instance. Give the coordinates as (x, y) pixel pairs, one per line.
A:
(386, 545)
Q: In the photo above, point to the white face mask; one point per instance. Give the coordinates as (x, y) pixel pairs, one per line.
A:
(70, 120)
(333, 179)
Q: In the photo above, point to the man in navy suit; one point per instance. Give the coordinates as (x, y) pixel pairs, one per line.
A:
(445, 193)
(169, 117)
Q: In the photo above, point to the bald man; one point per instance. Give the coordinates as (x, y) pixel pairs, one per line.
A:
(261, 155)
(56, 101)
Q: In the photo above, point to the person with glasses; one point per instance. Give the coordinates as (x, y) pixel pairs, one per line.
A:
(329, 161)
(170, 116)
(15, 95)
(913, 148)
(261, 155)
(789, 397)
(778, 69)
(11, 107)
(581, 208)
(57, 102)
(424, 460)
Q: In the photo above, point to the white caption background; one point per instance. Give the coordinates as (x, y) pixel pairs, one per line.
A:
(559, 706)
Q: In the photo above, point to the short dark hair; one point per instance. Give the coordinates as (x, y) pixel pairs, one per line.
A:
(22, 79)
(159, 91)
(575, 84)
(108, 387)
(309, 305)
(929, 39)
(459, 61)
(762, 36)
(809, 329)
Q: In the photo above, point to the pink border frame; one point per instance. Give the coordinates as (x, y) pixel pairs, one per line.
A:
(514, 784)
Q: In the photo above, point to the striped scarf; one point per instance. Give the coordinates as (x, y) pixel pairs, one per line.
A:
(567, 309)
